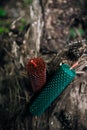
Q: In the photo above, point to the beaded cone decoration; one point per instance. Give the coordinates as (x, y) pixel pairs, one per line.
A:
(61, 79)
(36, 70)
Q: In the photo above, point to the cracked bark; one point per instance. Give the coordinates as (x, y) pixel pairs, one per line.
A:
(69, 111)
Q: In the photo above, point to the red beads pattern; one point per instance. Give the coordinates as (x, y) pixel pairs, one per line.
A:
(36, 70)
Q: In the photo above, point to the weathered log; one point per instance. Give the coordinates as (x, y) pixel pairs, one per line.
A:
(69, 111)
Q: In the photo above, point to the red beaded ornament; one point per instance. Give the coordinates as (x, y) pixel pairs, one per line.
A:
(36, 70)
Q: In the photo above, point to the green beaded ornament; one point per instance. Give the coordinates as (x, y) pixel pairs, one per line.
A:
(61, 79)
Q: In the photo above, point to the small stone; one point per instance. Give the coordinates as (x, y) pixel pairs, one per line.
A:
(52, 123)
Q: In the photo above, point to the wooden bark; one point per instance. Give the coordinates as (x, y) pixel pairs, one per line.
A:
(47, 37)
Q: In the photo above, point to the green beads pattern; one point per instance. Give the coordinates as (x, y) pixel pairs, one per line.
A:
(61, 79)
